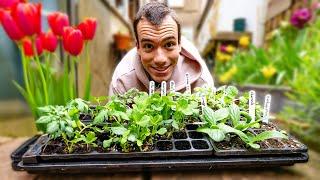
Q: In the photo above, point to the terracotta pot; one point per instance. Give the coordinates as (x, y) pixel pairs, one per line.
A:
(122, 41)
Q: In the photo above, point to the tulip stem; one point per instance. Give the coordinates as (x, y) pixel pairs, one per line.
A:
(88, 75)
(26, 80)
(72, 83)
(44, 84)
(48, 76)
(66, 83)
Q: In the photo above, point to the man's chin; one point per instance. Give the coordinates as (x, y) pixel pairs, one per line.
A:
(160, 79)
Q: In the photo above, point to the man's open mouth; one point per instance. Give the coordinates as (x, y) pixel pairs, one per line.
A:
(160, 70)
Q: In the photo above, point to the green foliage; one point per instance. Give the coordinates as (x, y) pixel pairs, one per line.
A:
(132, 121)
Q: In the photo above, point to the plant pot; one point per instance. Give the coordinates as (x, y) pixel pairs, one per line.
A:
(122, 41)
(279, 99)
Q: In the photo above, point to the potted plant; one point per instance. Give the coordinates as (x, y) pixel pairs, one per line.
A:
(122, 41)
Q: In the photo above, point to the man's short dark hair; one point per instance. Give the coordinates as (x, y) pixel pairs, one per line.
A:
(155, 12)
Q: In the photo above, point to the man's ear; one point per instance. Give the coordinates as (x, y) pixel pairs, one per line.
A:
(138, 48)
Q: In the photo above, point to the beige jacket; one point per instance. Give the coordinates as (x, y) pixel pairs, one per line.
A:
(130, 73)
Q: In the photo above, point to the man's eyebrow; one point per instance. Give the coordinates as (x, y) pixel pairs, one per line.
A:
(146, 40)
(169, 38)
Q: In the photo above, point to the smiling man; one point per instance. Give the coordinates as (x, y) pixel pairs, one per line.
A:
(161, 54)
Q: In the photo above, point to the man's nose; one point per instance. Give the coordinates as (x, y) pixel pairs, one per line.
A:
(160, 57)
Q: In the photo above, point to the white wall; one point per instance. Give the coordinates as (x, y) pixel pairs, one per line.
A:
(253, 10)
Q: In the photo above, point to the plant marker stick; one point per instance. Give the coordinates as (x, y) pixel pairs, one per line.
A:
(203, 102)
(163, 88)
(151, 88)
(266, 108)
(188, 87)
(252, 105)
(172, 86)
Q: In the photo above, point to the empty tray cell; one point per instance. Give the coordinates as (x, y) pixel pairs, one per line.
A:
(292, 143)
(192, 126)
(182, 145)
(200, 144)
(180, 135)
(195, 135)
(164, 145)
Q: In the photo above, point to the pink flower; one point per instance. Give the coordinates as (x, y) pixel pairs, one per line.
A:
(300, 17)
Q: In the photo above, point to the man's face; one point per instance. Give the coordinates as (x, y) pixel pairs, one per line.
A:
(158, 47)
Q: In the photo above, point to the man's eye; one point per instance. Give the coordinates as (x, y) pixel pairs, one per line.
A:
(169, 45)
(148, 46)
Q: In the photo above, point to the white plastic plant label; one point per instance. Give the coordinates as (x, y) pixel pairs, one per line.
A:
(252, 105)
(266, 109)
(188, 86)
(203, 102)
(163, 88)
(172, 86)
(151, 87)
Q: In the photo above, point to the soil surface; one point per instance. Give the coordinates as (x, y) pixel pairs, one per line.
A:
(192, 126)
(182, 145)
(195, 135)
(164, 145)
(180, 135)
(234, 143)
(274, 143)
(200, 144)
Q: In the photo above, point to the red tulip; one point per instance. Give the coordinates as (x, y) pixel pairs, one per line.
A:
(72, 40)
(28, 17)
(88, 28)
(57, 22)
(10, 26)
(7, 4)
(28, 47)
(49, 41)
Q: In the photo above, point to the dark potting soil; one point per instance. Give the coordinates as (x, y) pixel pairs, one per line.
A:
(192, 126)
(195, 135)
(200, 144)
(274, 143)
(234, 143)
(85, 117)
(54, 147)
(269, 126)
(164, 145)
(291, 143)
(182, 145)
(262, 145)
(180, 135)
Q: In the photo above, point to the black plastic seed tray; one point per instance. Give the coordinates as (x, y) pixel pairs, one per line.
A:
(16, 156)
(169, 164)
(185, 143)
(235, 147)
